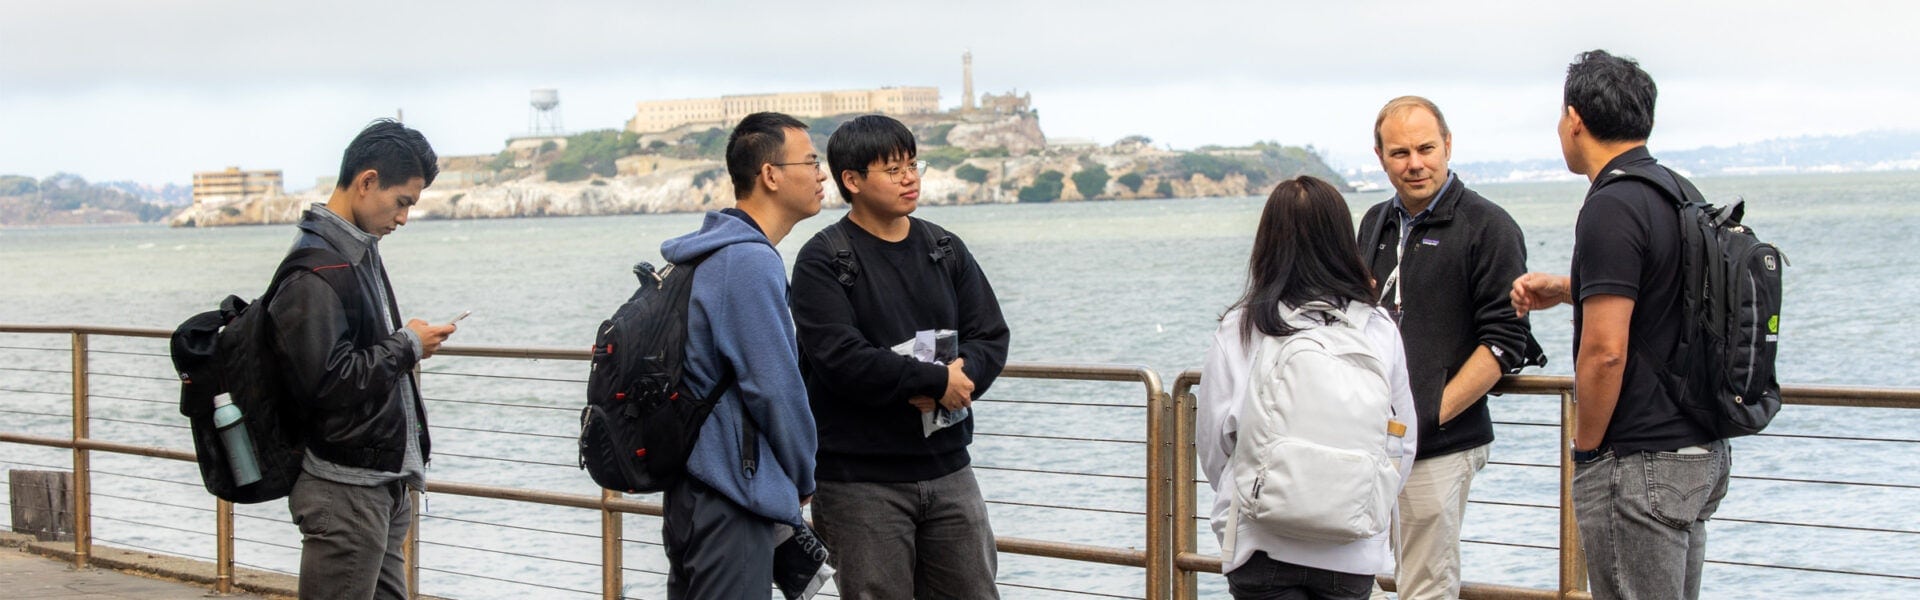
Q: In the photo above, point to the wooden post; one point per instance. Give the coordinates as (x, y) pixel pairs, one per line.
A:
(42, 503)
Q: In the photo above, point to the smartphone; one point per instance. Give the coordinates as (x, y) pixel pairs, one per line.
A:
(463, 315)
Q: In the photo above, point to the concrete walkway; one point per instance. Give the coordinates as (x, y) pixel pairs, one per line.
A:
(26, 576)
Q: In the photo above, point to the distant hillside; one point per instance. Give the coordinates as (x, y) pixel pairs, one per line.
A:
(1870, 151)
(972, 159)
(1860, 152)
(68, 199)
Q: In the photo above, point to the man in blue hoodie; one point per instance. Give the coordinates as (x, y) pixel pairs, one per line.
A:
(752, 466)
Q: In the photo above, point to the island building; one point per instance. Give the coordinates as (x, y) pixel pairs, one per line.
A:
(236, 183)
(654, 116)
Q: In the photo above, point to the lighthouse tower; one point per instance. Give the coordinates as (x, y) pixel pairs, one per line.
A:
(966, 67)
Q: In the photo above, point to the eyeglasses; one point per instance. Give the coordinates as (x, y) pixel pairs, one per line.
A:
(815, 163)
(899, 172)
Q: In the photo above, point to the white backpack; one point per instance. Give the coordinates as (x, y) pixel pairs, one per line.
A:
(1311, 458)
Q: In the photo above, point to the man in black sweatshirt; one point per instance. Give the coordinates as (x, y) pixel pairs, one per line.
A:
(897, 503)
(1443, 258)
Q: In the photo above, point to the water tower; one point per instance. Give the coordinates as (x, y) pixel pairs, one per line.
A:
(543, 118)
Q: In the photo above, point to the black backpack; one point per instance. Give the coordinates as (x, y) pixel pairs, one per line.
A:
(1722, 371)
(231, 351)
(641, 420)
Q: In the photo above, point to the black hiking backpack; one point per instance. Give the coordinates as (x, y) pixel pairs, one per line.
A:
(641, 420)
(230, 351)
(1722, 371)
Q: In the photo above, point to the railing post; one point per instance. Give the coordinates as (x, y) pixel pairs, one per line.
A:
(611, 576)
(1159, 511)
(1573, 568)
(411, 547)
(82, 479)
(1185, 584)
(223, 547)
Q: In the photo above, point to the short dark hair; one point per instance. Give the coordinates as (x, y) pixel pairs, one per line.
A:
(756, 141)
(1302, 252)
(863, 140)
(1613, 96)
(394, 151)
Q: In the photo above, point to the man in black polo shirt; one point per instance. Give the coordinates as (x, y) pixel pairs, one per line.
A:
(1646, 478)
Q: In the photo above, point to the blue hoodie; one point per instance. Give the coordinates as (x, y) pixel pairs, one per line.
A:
(738, 319)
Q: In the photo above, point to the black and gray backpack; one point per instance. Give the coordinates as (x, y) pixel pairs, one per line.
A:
(1722, 371)
(230, 352)
(641, 420)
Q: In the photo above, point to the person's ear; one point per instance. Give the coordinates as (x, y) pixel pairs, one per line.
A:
(766, 177)
(367, 181)
(853, 183)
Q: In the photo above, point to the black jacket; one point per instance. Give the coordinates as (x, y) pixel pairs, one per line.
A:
(1459, 270)
(342, 365)
(857, 385)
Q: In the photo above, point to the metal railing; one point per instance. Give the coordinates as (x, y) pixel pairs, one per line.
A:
(1168, 557)
(1187, 561)
(611, 506)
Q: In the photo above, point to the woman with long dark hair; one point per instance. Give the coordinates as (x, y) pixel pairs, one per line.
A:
(1321, 369)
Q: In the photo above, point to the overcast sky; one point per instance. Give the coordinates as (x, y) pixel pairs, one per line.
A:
(152, 91)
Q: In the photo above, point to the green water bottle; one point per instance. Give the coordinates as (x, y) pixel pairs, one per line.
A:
(238, 443)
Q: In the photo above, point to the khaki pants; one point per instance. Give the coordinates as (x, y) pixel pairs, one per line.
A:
(1426, 531)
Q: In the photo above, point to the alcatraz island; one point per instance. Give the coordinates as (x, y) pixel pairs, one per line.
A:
(669, 158)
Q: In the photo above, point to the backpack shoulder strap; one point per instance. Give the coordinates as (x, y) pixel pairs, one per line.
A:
(1670, 184)
(940, 248)
(840, 252)
(326, 264)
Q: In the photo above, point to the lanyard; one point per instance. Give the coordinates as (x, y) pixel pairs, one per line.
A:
(1399, 257)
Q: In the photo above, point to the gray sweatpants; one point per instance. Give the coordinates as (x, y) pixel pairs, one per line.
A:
(715, 548)
(351, 539)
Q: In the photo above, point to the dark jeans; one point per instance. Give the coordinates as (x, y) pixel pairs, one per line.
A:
(1263, 578)
(715, 548)
(924, 539)
(1643, 520)
(351, 539)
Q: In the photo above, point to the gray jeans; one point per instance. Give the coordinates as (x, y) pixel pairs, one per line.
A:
(1643, 520)
(351, 539)
(923, 539)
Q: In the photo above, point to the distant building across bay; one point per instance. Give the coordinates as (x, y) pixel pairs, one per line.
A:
(655, 116)
(236, 183)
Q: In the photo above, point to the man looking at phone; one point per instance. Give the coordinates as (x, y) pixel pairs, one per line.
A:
(349, 364)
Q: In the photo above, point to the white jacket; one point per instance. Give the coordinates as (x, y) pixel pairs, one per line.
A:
(1224, 390)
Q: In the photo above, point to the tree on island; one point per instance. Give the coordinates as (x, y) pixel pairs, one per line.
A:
(1045, 188)
(1091, 181)
(970, 173)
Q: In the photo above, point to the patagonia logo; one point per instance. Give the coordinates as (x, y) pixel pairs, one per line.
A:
(1430, 242)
